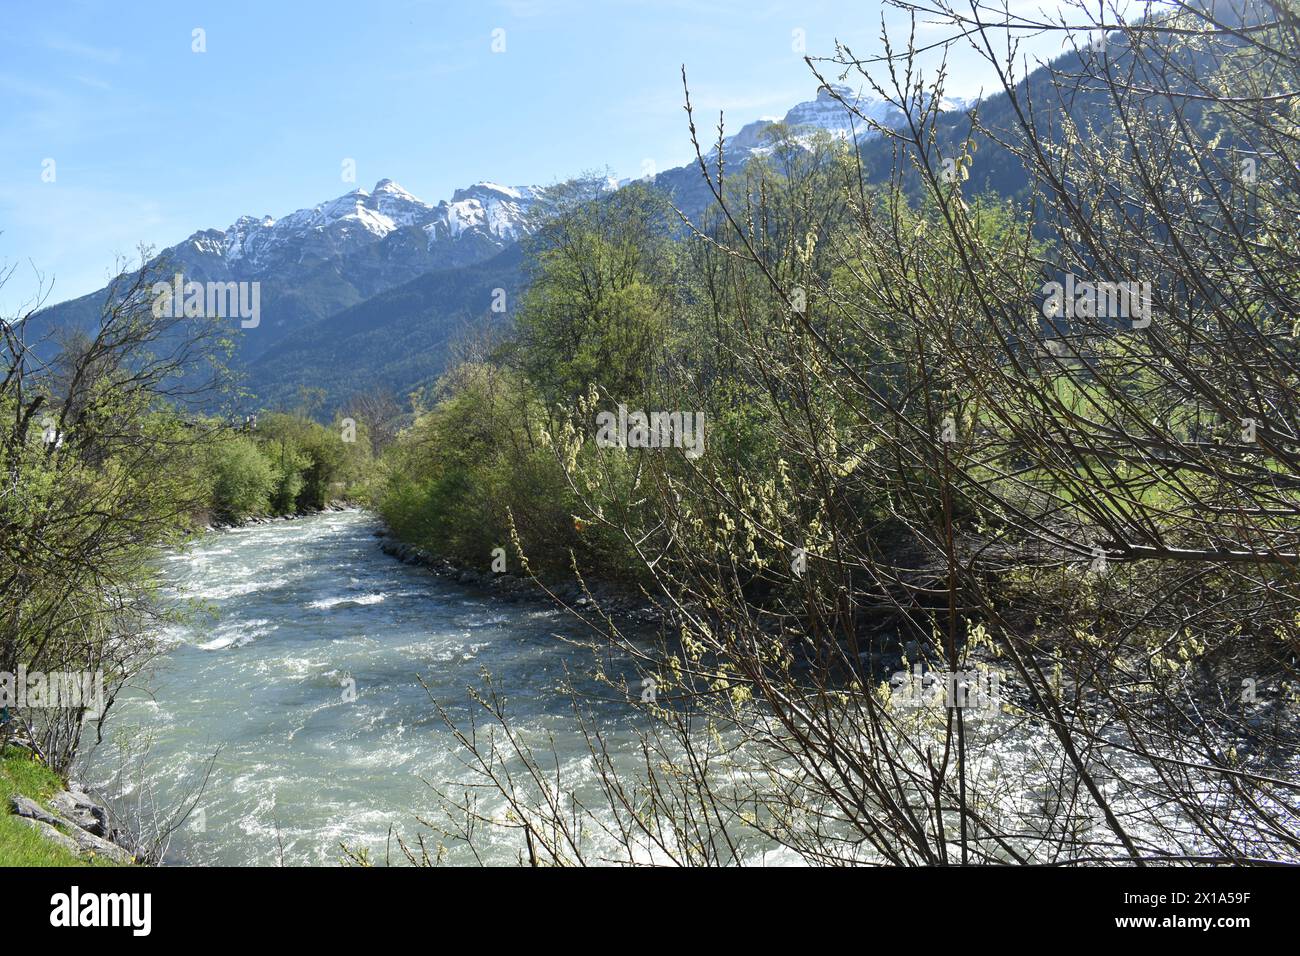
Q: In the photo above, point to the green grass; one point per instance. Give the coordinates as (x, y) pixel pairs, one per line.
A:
(20, 844)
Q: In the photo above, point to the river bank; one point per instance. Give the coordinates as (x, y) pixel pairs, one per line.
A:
(254, 520)
(45, 822)
(595, 598)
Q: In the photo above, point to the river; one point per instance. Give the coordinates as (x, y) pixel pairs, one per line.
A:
(305, 670)
(302, 672)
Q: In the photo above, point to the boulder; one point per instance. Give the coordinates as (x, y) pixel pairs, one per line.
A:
(89, 843)
(31, 810)
(81, 810)
(68, 830)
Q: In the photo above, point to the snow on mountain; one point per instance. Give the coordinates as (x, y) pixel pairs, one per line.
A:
(500, 211)
(493, 213)
(399, 206)
(414, 236)
(360, 217)
(828, 114)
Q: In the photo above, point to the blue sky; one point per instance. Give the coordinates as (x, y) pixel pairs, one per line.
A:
(152, 141)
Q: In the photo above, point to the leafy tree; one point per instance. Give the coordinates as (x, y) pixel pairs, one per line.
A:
(595, 312)
(98, 469)
(243, 479)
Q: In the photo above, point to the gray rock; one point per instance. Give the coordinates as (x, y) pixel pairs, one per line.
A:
(81, 810)
(31, 810)
(82, 840)
(51, 834)
(75, 839)
(89, 843)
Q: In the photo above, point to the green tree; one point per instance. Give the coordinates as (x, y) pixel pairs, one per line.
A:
(596, 311)
(243, 479)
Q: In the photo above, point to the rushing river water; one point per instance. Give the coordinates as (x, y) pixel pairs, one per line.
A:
(304, 674)
(300, 613)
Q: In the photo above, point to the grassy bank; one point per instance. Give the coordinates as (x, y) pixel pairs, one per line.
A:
(20, 844)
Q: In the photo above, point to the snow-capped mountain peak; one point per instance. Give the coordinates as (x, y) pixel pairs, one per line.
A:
(389, 188)
(360, 217)
(500, 211)
(829, 112)
(398, 205)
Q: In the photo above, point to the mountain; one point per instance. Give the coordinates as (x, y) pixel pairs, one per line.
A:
(342, 226)
(801, 125)
(373, 287)
(317, 262)
(399, 339)
(827, 114)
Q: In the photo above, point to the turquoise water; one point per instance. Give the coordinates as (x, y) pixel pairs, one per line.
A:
(302, 612)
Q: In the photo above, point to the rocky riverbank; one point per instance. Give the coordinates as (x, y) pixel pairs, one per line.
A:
(598, 598)
(272, 519)
(72, 820)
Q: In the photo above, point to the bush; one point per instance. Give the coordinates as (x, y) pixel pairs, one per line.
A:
(242, 479)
